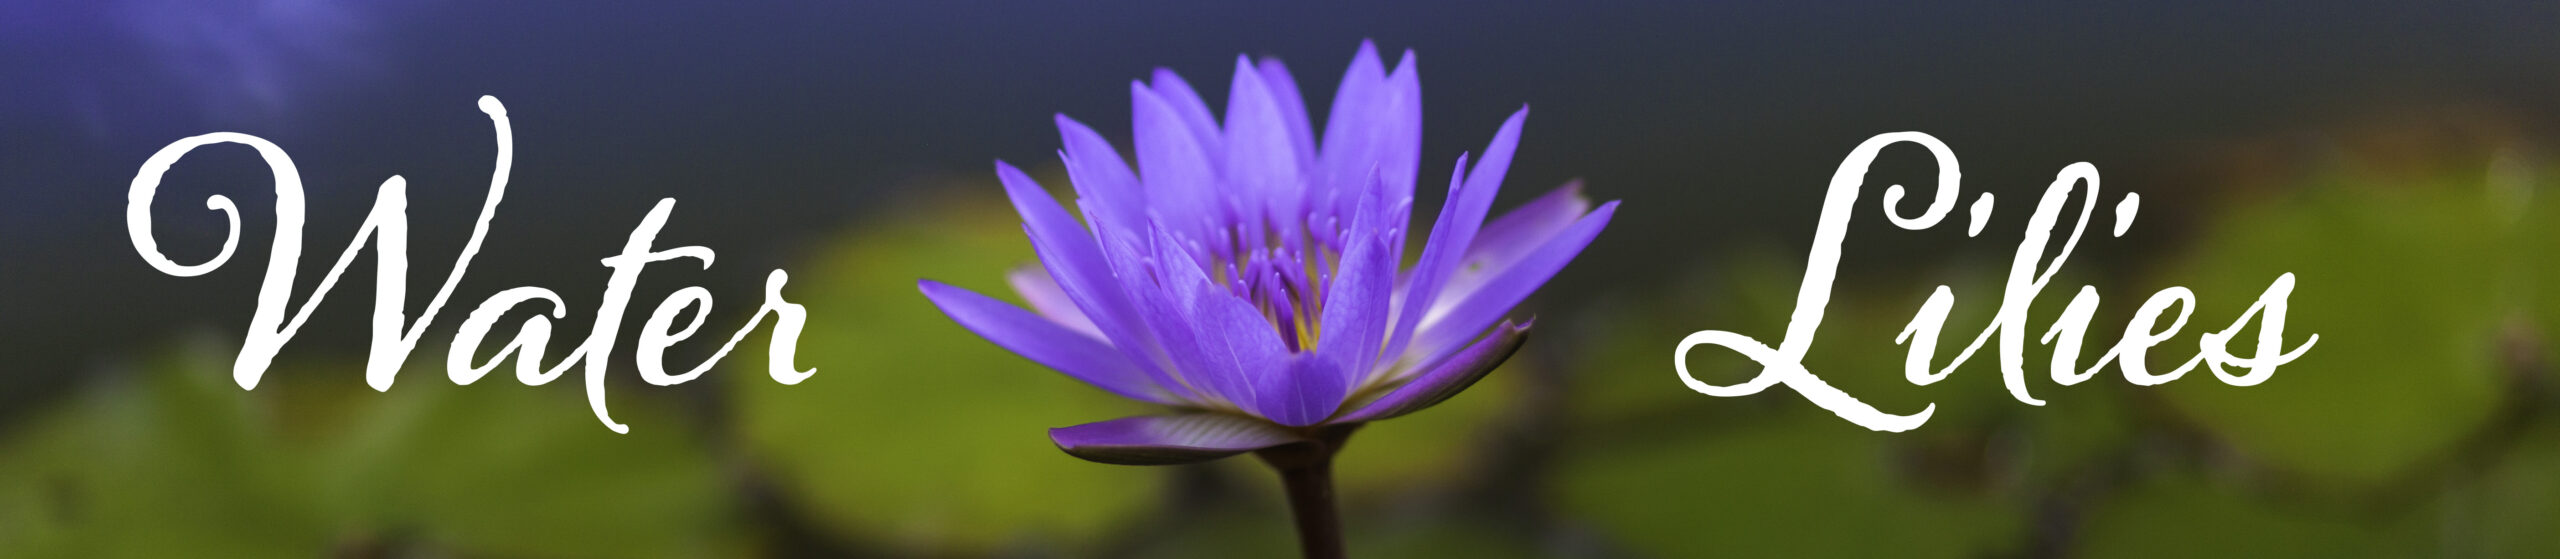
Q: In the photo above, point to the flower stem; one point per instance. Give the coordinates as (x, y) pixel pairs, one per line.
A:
(1306, 473)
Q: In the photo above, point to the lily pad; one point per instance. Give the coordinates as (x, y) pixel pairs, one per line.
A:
(1806, 486)
(2185, 516)
(313, 464)
(1258, 530)
(174, 449)
(914, 432)
(2507, 509)
(506, 470)
(2410, 288)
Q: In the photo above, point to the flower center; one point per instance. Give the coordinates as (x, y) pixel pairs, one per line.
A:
(1280, 265)
(1281, 271)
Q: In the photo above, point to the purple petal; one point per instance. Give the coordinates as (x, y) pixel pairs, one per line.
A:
(1155, 440)
(1355, 99)
(1240, 349)
(1160, 314)
(1046, 298)
(1261, 158)
(1374, 141)
(1308, 391)
(1195, 112)
(1355, 305)
(1293, 109)
(1348, 156)
(1069, 252)
(1488, 171)
(1507, 239)
(1450, 378)
(1400, 154)
(1125, 326)
(1041, 213)
(1101, 178)
(1172, 163)
(1459, 217)
(1044, 342)
(1508, 287)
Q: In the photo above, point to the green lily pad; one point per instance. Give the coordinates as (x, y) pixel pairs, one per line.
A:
(172, 449)
(505, 470)
(1625, 370)
(1627, 386)
(1261, 530)
(2540, 250)
(1805, 486)
(2184, 516)
(1434, 447)
(2410, 288)
(312, 464)
(2507, 509)
(914, 432)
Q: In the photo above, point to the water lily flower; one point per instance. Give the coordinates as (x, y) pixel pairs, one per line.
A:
(1247, 274)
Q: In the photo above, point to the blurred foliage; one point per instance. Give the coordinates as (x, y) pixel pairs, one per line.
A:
(172, 460)
(1260, 531)
(1670, 477)
(173, 451)
(2411, 288)
(2185, 517)
(2507, 508)
(1434, 448)
(915, 433)
(1787, 489)
(2538, 250)
(2419, 426)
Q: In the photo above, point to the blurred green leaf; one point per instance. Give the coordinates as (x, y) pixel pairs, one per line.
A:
(1251, 529)
(1626, 370)
(1629, 374)
(1810, 486)
(1256, 529)
(1433, 447)
(915, 432)
(174, 450)
(2409, 287)
(2540, 251)
(2504, 507)
(2188, 517)
(313, 464)
(1675, 473)
(2507, 509)
(506, 470)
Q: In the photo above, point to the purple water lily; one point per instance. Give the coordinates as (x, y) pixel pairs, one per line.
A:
(1247, 275)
